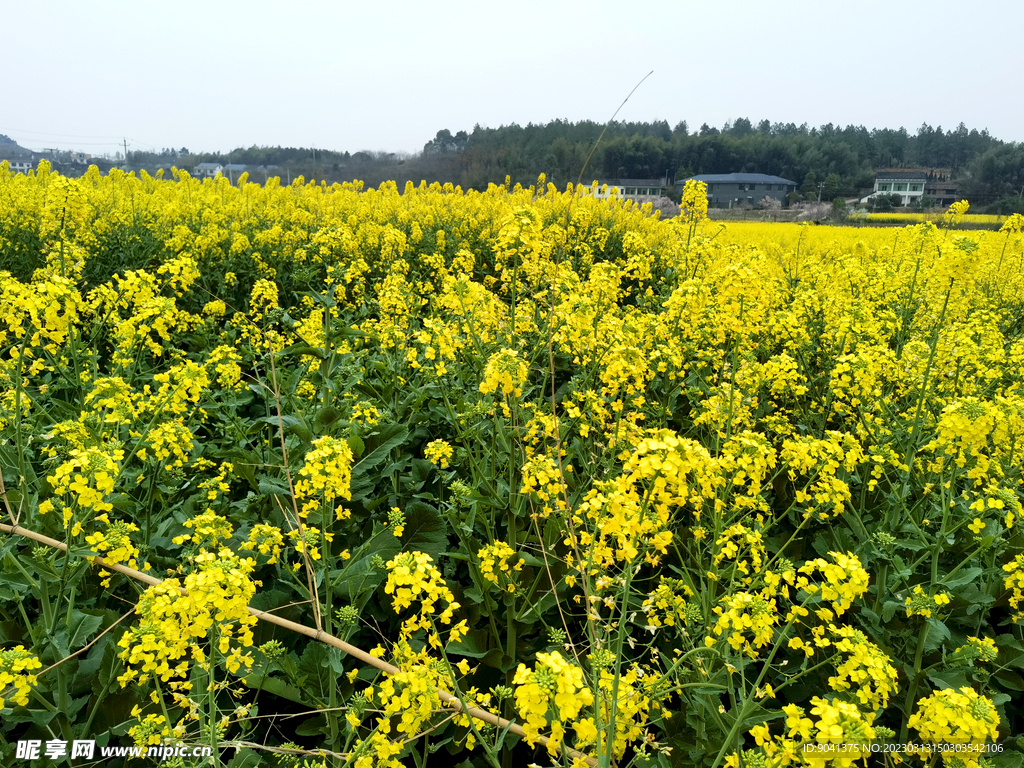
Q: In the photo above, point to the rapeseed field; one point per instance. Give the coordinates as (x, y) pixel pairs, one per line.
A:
(521, 475)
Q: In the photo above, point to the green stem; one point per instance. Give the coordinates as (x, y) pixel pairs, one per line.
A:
(915, 682)
(915, 438)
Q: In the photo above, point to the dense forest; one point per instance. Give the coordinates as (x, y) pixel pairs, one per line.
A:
(988, 171)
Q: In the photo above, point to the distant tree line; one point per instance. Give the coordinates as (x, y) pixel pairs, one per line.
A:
(832, 160)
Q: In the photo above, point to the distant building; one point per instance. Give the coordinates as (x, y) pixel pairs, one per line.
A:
(19, 165)
(639, 190)
(233, 171)
(908, 183)
(207, 170)
(742, 190)
(939, 188)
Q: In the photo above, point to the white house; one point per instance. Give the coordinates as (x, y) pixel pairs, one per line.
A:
(19, 166)
(905, 182)
(639, 190)
(207, 170)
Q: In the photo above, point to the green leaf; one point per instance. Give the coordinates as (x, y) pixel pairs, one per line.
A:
(300, 350)
(356, 444)
(949, 678)
(245, 758)
(425, 530)
(474, 645)
(39, 717)
(538, 608)
(1010, 680)
(976, 599)
(760, 715)
(387, 437)
(272, 486)
(938, 633)
(292, 424)
(964, 577)
(312, 726)
(1008, 759)
(889, 609)
(81, 628)
(315, 667)
(283, 421)
(108, 668)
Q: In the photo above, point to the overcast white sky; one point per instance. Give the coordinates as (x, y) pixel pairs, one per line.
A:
(219, 74)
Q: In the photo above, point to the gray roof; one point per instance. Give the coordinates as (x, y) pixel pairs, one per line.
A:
(737, 178)
(209, 165)
(631, 182)
(638, 182)
(901, 175)
(234, 167)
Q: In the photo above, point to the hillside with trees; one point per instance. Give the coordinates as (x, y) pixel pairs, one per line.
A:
(842, 159)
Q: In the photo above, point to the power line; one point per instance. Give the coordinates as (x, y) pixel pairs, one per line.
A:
(66, 135)
(89, 144)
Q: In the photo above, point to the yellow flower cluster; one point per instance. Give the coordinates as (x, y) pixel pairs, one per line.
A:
(305, 541)
(920, 603)
(412, 578)
(326, 476)
(115, 545)
(90, 475)
(743, 547)
(956, 717)
(978, 648)
(16, 679)
(550, 695)
(212, 602)
(494, 562)
(153, 730)
(843, 581)
(629, 516)
(439, 453)
(666, 605)
(748, 619)
(823, 461)
(833, 723)
(208, 529)
(504, 373)
(1014, 582)
(866, 671)
(265, 539)
(409, 702)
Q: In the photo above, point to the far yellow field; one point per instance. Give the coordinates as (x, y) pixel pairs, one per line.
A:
(807, 238)
(917, 218)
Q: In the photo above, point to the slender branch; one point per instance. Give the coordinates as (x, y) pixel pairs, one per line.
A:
(86, 647)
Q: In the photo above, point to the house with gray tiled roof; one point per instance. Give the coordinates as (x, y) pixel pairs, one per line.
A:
(742, 190)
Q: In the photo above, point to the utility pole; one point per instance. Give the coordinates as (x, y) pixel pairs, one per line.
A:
(820, 185)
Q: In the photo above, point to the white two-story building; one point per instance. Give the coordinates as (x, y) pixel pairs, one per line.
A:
(639, 190)
(907, 183)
